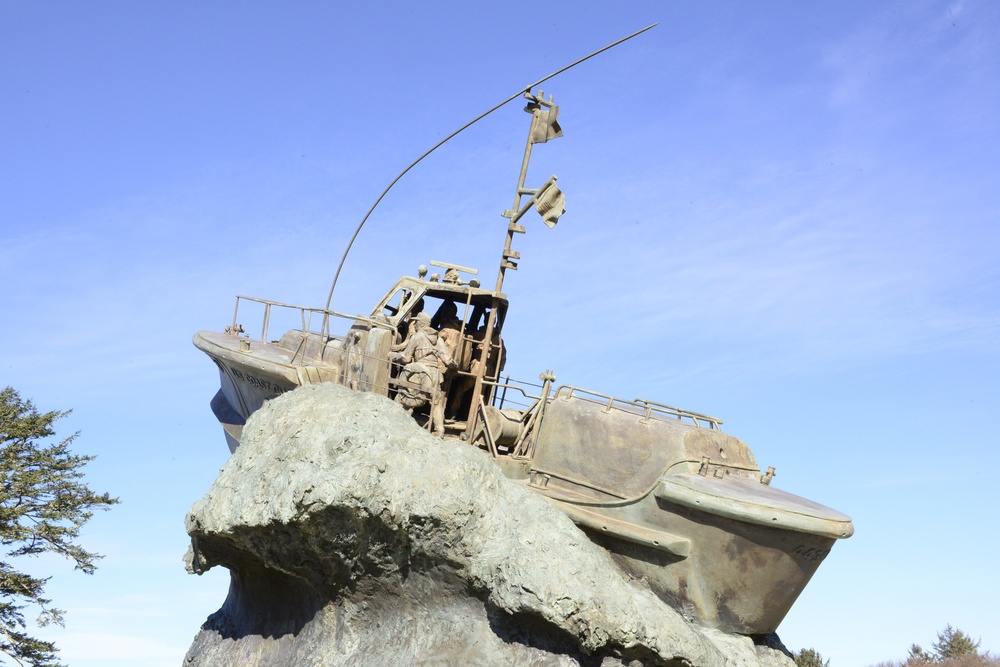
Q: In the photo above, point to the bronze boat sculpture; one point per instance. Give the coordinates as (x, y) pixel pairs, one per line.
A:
(679, 505)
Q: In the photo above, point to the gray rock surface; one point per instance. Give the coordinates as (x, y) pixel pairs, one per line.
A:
(353, 537)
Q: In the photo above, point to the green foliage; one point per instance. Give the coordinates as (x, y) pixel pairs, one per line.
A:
(918, 656)
(953, 643)
(953, 648)
(43, 505)
(809, 657)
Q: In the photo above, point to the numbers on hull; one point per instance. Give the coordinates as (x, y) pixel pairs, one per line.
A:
(257, 383)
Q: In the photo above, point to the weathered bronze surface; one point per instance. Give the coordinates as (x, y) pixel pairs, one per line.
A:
(680, 505)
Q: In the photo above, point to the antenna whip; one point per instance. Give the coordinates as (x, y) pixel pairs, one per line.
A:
(475, 120)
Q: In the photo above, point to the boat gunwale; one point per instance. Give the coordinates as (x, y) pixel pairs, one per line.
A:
(785, 511)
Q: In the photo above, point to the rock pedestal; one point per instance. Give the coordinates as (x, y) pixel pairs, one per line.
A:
(353, 537)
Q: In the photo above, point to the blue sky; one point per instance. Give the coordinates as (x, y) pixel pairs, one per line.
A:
(781, 214)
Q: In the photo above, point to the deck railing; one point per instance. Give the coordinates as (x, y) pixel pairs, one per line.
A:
(641, 407)
(305, 312)
(645, 409)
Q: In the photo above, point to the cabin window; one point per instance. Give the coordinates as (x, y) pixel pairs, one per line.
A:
(402, 305)
(394, 303)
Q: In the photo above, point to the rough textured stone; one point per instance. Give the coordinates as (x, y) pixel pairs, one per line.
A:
(354, 537)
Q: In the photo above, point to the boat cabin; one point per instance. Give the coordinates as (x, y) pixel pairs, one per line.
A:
(434, 340)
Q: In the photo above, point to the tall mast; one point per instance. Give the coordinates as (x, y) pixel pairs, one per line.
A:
(544, 126)
(526, 90)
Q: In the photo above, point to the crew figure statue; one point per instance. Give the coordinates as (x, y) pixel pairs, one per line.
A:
(421, 377)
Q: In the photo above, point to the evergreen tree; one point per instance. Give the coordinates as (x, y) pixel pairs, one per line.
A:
(809, 657)
(953, 643)
(918, 656)
(43, 505)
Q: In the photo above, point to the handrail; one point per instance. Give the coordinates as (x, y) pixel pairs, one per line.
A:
(303, 310)
(508, 384)
(714, 422)
(641, 407)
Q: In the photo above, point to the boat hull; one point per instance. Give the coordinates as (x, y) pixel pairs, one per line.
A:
(246, 382)
(683, 509)
(253, 372)
(717, 571)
